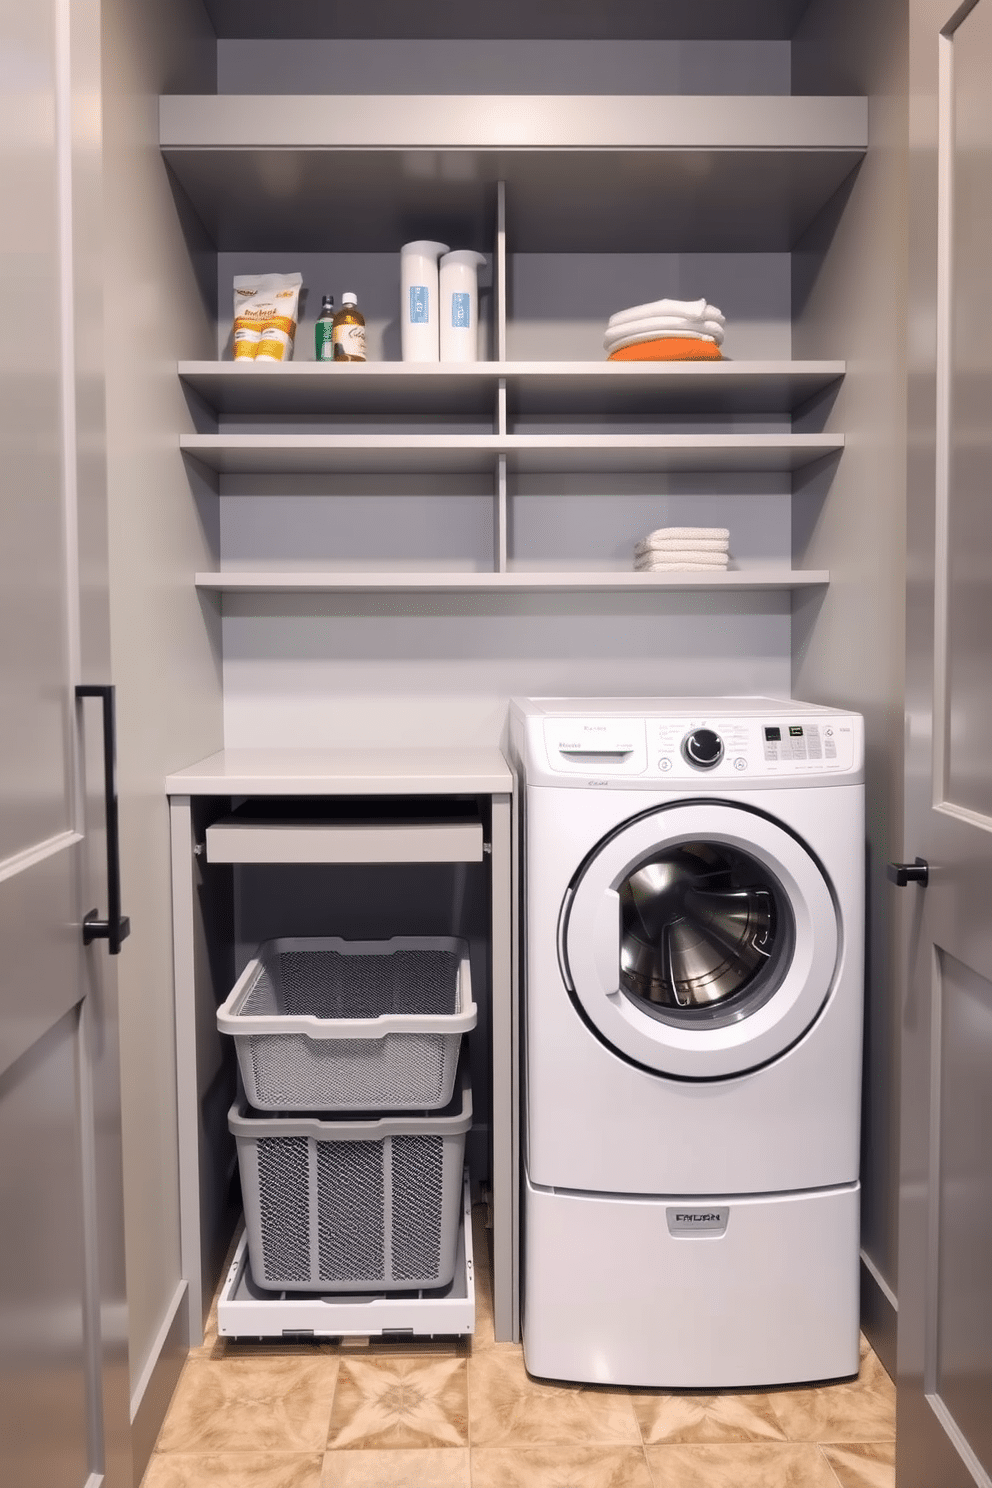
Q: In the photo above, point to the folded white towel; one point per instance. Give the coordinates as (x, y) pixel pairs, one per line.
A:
(662, 325)
(687, 555)
(686, 534)
(698, 309)
(704, 549)
(653, 566)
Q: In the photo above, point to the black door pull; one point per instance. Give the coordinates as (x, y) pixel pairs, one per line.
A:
(907, 873)
(116, 927)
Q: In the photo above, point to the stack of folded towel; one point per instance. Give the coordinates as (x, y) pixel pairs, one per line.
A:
(683, 548)
(666, 331)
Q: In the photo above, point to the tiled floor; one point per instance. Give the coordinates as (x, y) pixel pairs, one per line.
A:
(466, 1415)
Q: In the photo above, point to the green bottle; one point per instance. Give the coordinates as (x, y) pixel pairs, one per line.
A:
(323, 342)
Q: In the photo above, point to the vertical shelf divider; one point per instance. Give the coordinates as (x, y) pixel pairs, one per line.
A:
(499, 272)
(501, 540)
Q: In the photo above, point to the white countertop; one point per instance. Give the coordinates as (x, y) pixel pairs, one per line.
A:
(344, 772)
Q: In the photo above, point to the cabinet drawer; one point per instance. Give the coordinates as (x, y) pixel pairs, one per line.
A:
(243, 840)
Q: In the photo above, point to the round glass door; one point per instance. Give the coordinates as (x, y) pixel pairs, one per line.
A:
(700, 939)
(706, 928)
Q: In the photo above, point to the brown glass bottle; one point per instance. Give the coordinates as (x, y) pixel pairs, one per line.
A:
(348, 331)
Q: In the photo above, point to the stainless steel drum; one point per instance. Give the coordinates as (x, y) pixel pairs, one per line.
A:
(702, 927)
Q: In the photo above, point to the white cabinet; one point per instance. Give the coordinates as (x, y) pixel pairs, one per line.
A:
(297, 842)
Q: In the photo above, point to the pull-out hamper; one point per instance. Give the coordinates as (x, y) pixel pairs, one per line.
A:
(323, 1024)
(352, 1205)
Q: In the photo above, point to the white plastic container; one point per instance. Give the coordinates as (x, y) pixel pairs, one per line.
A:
(419, 300)
(335, 1025)
(352, 1205)
(459, 287)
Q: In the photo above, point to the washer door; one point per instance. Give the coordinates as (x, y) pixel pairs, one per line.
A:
(701, 940)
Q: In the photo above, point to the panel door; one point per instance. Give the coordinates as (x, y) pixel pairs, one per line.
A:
(945, 1280)
(63, 1365)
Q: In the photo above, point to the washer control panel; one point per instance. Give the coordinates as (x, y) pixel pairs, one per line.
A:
(669, 750)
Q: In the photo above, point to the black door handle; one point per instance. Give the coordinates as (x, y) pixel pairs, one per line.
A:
(907, 873)
(116, 927)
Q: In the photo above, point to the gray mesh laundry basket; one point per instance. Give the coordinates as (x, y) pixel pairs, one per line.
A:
(338, 1025)
(352, 1206)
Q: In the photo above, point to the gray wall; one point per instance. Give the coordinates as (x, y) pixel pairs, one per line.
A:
(165, 649)
(539, 67)
(850, 300)
(339, 670)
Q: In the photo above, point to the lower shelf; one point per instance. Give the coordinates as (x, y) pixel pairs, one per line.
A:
(518, 581)
(244, 1310)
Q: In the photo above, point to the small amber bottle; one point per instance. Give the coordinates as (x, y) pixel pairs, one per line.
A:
(348, 332)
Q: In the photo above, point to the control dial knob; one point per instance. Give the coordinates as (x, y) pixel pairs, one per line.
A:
(703, 748)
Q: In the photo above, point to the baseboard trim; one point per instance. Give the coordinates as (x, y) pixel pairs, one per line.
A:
(879, 1314)
(154, 1390)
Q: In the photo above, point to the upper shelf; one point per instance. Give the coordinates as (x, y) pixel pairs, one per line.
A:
(308, 388)
(676, 20)
(361, 173)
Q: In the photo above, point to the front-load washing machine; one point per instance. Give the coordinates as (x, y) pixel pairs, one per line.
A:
(693, 970)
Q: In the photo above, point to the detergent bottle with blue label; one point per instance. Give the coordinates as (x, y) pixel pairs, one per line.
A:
(459, 285)
(419, 302)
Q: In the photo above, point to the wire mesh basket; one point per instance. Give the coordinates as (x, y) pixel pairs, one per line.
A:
(352, 1206)
(337, 1025)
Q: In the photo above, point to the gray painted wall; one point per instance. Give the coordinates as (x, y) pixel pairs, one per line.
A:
(557, 304)
(850, 300)
(344, 670)
(165, 649)
(539, 67)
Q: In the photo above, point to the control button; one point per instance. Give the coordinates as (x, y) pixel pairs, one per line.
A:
(664, 764)
(703, 748)
(740, 763)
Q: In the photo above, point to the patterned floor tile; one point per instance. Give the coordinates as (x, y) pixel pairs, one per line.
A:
(400, 1402)
(862, 1410)
(508, 1408)
(260, 1404)
(863, 1464)
(706, 1418)
(447, 1468)
(559, 1467)
(233, 1470)
(741, 1465)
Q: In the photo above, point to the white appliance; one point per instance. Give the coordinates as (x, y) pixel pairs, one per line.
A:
(693, 921)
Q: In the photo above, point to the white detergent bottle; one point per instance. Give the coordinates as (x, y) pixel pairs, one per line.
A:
(419, 300)
(459, 284)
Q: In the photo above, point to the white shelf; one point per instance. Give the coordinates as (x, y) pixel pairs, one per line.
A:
(344, 772)
(314, 454)
(308, 388)
(782, 124)
(703, 174)
(256, 582)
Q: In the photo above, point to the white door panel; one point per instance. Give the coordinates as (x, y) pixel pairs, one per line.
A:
(63, 1391)
(945, 1295)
